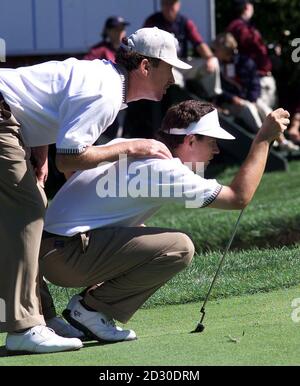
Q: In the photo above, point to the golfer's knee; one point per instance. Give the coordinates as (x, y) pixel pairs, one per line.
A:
(185, 248)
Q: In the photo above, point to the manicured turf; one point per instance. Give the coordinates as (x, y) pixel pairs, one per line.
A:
(248, 330)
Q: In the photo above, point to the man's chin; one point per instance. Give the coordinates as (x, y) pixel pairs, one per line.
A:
(155, 98)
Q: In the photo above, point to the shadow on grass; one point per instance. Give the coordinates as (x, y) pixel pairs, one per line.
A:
(95, 343)
(284, 238)
(6, 354)
(3, 352)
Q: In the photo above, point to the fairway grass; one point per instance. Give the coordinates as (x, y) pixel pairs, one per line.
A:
(247, 330)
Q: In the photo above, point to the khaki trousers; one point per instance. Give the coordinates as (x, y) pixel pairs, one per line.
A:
(127, 265)
(22, 208)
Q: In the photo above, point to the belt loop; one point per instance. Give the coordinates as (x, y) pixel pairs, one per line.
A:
(85, 238)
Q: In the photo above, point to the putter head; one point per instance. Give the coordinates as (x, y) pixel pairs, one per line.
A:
(200, 328)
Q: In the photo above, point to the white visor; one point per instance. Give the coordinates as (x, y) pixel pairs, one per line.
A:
(208, 125)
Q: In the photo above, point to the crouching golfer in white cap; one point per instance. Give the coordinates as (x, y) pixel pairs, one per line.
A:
(70, 103)
(93, 236)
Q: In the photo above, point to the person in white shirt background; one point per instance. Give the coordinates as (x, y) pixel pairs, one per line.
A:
(70, 103)
(99, 243)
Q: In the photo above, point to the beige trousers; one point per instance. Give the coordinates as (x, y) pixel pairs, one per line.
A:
(127, 265)
(22, 207)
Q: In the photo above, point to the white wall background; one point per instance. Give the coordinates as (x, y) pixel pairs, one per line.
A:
(62, 26)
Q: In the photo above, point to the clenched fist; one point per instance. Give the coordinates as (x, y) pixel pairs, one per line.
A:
(274, 125)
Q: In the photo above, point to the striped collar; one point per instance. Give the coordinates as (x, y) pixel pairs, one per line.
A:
(124, 79)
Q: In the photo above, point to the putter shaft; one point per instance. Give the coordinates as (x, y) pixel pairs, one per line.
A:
(202, 311)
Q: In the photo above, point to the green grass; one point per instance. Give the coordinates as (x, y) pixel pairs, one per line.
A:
(272, 219)
(261, 323)
(244, 272)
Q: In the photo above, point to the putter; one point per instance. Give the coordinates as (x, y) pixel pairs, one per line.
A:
(200, 326)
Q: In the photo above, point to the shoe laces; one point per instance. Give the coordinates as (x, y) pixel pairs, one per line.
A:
(109, 322)
(44, 331)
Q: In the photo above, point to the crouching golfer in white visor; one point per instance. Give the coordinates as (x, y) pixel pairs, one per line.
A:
(93, 237)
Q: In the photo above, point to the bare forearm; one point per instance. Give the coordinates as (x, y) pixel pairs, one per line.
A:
(93, 156)
(204, 51)
(90, 159)
(250, 174)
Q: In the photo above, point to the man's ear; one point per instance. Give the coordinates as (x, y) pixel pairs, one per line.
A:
(189, 140)
(145, 67)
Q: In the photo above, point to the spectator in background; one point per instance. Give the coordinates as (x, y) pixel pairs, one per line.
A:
(240, 83)
(113, 33)
(184, 29)
(250, 43)
(241, 87)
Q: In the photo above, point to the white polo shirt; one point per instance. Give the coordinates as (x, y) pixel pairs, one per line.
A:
(69, 103)
(125, 193)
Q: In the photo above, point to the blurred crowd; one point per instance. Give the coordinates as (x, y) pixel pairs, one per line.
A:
(235, 72)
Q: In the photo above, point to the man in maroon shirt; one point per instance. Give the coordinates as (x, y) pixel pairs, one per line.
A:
(184, 29)
(250, 43)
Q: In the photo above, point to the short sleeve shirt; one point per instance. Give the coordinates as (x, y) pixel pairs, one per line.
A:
(69, 103)
(125, 193)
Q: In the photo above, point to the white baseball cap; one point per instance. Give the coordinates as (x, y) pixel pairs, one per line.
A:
(156, 43)
(208, 125)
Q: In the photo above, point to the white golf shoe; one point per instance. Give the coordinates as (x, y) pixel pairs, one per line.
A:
(72, 302)
(74, 299)
(64, 329)
(97, 325)
(40, 339)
